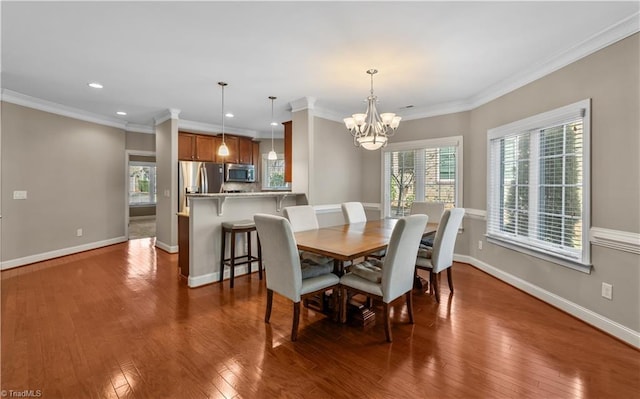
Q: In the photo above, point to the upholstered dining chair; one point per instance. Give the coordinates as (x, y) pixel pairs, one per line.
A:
(303, 217)
(353, 212)
(392, 278)
(282, 262)
(432, 209)
(441, 256)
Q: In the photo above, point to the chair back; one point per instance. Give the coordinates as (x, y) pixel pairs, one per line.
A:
(445, 240)
(399, 263)
(280, 255)
(301, 217)
(353, 212)
(432, 209)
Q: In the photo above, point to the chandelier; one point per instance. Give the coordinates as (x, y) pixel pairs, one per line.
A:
(372, 130)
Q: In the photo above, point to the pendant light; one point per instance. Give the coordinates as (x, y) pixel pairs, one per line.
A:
(223, 150)
(272, 154)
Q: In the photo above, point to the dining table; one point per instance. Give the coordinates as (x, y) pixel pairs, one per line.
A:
(349, 242)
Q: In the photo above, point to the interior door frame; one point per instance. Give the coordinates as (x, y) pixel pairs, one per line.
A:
(126, 184)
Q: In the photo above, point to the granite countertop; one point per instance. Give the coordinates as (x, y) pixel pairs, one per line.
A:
(243, 195)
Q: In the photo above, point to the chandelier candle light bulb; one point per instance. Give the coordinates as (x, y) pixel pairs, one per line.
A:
(372, 130)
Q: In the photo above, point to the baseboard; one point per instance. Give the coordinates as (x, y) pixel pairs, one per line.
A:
(59, 252)
(609, 326)
(194, 282)
(172, 249)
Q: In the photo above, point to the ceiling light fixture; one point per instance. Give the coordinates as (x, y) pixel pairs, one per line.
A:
(95, 85)
(372, 130)
(272, 154)
(223, 150)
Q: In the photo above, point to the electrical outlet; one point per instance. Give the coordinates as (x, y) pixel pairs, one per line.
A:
(480, 244)
(79, 233)
(607, 291)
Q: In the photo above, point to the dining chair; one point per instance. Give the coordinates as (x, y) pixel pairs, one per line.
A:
(353, 212)
(391, 278)
(432, 209)
(303, 217)
(282, 262)
(441, 256)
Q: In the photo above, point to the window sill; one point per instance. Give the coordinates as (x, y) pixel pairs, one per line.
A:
(541, 255)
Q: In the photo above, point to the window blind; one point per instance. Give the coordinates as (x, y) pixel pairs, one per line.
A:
(537, 184)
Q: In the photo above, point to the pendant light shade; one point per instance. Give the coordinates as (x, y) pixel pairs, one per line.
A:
(223, 150)
(272, 154)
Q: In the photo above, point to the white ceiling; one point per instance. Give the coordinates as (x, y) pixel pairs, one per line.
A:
(438, 57)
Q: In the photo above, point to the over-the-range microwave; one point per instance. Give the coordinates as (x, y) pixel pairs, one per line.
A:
(240, 173)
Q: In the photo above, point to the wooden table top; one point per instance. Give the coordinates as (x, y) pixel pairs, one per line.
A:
(350, 241)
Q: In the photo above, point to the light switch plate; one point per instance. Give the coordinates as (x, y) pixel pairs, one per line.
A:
(19, 195)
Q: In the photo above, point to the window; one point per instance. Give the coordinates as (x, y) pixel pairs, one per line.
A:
(425, 170)
(142, 183)
(273, 173)
(538, 185)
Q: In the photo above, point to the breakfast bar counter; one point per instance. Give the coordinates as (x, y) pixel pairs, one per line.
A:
(206, 213)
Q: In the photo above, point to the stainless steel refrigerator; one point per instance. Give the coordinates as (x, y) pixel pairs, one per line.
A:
(198, 177)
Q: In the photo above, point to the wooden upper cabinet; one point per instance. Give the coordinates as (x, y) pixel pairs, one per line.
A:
(204, 148)
(195, 147)
(186, 146)
(288, 150)
(245, 150)
(232, 145)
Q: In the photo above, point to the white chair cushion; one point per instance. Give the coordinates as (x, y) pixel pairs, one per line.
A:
(310, 269)
(424, 262)
(369, 270)
(359, 283)
(425, 252)
(319, 282)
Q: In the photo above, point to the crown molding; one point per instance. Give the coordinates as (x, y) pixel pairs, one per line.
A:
(302, 104)
(134, 127)
(59, 109)
(201, 127)
(171, 113)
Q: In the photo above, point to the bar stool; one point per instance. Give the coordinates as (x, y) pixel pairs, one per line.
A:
(237, 227)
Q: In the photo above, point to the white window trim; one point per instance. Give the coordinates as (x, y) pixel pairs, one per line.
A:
(153, 181)
(559, 115)
(451, 141)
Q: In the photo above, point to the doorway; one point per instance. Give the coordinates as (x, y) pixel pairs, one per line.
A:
(142, 196)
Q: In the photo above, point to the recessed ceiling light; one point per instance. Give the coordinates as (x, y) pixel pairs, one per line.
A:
(274, 123)
(229, 115)
(95, 85)
(121, 113)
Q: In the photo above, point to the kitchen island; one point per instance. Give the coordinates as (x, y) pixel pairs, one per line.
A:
(202, 223)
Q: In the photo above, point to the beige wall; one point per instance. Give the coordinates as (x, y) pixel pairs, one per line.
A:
(141, 141)
(74, 175)
(611, 78)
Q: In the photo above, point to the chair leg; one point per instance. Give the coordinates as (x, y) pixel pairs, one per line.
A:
(450, 279)
(249, 254)
(233, 259)
(259, 257)
(267, 314)
(387, 322)
(434, 284)
(409, 299)
(222, 251)
(296, 320)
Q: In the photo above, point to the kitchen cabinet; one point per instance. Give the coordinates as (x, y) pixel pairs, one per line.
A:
(245, 150)
(288, 150)
(195, 147)
(183, 244)
(232, 145)
(257, 161)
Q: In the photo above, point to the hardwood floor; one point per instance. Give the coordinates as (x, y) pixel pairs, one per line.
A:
(119, 322)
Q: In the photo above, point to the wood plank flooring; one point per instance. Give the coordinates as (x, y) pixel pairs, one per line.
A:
(118, 322)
